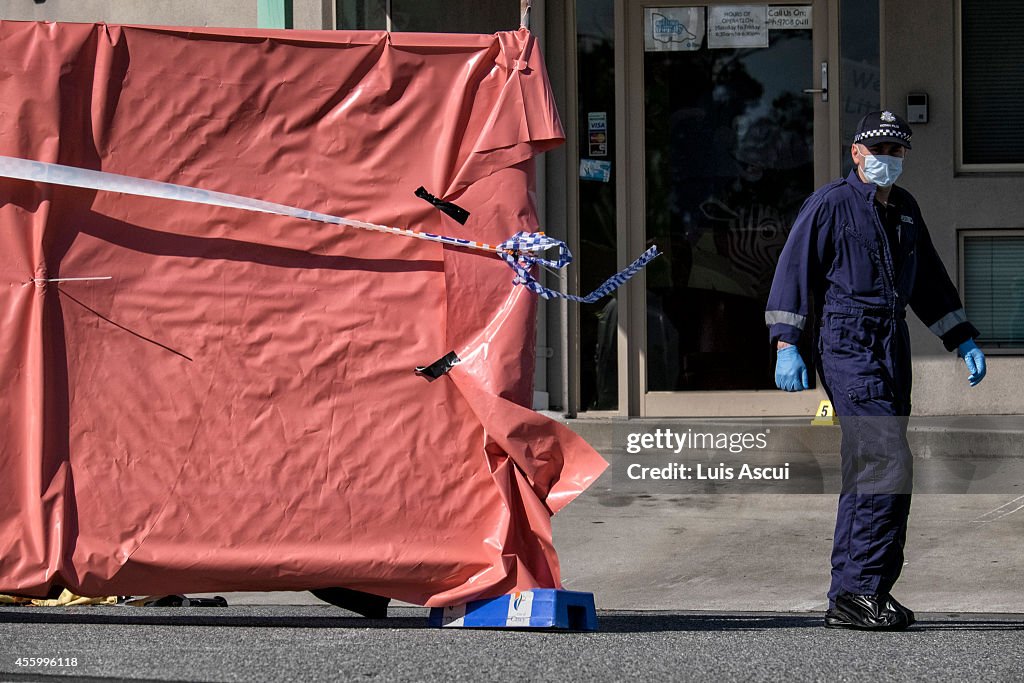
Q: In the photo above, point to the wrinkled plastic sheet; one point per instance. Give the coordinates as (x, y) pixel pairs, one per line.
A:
(236, 408)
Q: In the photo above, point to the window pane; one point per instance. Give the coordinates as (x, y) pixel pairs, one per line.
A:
(455, 16)
(595, 44)
(859, 76)
(993, 64)
(274, 14)
(729, 140)
(360, 15)
(994, 289)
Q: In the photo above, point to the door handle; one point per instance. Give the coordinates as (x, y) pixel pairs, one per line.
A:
(824, 84)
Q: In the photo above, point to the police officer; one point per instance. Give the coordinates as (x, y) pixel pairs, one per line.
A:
(859, 253)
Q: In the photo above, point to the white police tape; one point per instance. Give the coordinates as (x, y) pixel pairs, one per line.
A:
(38, 281)
(521, 251)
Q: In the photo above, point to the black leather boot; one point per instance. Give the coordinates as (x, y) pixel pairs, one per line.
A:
(866, 613)
(892, 603)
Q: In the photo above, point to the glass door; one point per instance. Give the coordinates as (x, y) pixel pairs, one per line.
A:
(728, 98)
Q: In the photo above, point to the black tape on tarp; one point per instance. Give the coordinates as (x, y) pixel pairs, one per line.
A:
(439, 367)
(453, 210)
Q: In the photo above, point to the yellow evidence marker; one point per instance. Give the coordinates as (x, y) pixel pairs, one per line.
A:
(825, 416)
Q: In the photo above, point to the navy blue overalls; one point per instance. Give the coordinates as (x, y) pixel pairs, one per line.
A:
(858, 274)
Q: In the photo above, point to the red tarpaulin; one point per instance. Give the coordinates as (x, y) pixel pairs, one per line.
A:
(236, 408)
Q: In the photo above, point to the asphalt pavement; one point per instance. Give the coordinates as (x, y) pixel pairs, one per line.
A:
(314, 643)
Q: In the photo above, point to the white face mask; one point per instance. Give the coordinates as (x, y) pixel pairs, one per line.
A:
(882, 170)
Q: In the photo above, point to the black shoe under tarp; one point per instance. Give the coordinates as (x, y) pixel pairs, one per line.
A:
(365, 604)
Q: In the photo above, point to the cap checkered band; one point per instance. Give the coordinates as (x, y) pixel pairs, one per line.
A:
(881, 132)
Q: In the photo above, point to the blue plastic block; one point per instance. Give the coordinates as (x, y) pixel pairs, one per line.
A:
(541, 608)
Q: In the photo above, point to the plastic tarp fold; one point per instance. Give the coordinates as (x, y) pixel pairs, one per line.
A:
(235, 408)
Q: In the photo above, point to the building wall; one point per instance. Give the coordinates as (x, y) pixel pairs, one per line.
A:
(920, 56)
(166, 13)
(306, 14)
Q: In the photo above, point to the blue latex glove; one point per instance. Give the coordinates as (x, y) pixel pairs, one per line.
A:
(974, 359)
(790, 371)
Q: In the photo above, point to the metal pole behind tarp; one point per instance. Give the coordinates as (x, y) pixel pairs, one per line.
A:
(524, 10)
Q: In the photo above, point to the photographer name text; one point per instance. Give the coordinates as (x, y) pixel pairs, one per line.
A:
(678, 471)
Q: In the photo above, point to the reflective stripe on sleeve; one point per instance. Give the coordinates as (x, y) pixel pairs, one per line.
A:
(794, 319)
(948, 322)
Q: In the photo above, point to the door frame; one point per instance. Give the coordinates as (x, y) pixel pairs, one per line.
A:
(631, 216)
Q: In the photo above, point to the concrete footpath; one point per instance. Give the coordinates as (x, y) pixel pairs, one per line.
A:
(771, 552)
(658, 550)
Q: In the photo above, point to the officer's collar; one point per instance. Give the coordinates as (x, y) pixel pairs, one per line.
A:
(870, 189)
(866, 189)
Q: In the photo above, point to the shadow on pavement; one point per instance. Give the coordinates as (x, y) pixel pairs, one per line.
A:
(649, 623)
(208, 617)
(968, 625)
(638, 622)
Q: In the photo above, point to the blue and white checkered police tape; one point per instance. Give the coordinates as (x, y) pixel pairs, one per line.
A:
(521, 251)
